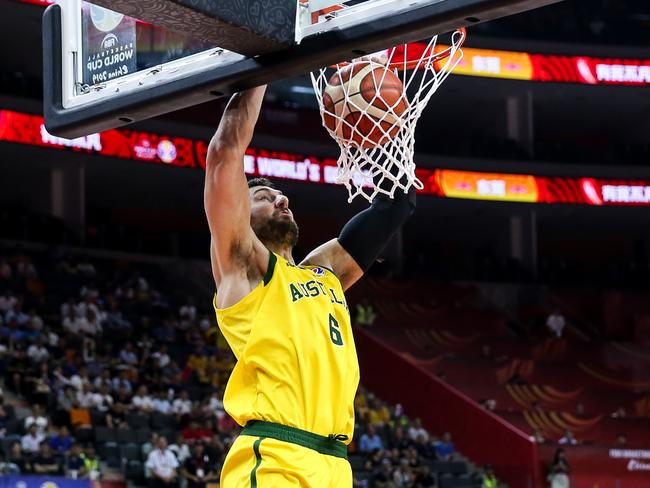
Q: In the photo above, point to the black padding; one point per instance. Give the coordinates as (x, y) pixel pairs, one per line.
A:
(368, 232)
(252, 27)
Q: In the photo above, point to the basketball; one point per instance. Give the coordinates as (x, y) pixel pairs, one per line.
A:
(364, 103)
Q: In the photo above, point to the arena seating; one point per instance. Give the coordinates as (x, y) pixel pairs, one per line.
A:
(72, 323)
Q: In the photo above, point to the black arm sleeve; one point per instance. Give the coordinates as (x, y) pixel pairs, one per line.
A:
(368, 232)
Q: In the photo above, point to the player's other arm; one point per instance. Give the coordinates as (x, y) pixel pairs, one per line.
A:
(227, 205)
(364, 237)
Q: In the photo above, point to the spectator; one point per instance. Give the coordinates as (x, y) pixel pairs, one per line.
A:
(45, 462)
(38, 352)
(196, 433)
(619, 413)
(216, 404)
(92, 465)
(142, 401)
(17, 458)
(215, 448)
(489, 479)
(424, 478)
(559, 471)
(122, 380)
(162, 465)
(38, 419)
(365, 313)
(444, 448)
(417, 430)
(378, 413)
(86, 397)
(150, 445)
(61, 443)
(31, 441)
(128, 355)
(161, 358)
(161, 404)
(402, 476)
(370, 441)
(180, 449)
(538, 437)
(75, 466)
(183, 405)
(399, 440)
(383, 476)
(199, 469)
(568, 439)
(556, 323)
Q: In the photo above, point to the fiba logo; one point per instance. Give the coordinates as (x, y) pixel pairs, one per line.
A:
(166, 151)
(49, 484)
(103, 19)
(109, 41)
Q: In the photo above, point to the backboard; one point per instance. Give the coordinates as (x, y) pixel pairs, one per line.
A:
(107, 68)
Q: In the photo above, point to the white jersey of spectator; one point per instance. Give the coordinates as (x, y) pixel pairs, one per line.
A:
(40, 421)
(182, 452)
(86, 399)
(142, 402)
(77, 381)
(128, 357)
(162, 463)
(118, 382)
(556, 323)
(567, 440)
(37, 353)
(102, 402)
(162, 359)
(162, 405)
(70, 324)
(182, 407)
(415, 432)
(31, 443)
(19, 316)
(216, 405)
(52, 339)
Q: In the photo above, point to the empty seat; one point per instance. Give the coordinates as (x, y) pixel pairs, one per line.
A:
(130, 452)
(142, 435)
(125, 436)
(446, 480)
(160, 421)
(104, 434)
(110, 454)
(137, 420)
(134, 472)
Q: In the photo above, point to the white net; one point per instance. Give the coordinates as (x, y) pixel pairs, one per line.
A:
(372, 116)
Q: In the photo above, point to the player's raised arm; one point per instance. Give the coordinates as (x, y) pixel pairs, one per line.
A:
(364, 237)
(226, 201)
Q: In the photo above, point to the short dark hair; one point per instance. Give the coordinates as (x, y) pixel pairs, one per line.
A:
(260, 182)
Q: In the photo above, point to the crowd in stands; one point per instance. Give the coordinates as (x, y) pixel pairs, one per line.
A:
(115, 374)
(103, 356)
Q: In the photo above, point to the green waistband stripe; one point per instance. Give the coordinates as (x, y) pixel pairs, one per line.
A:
(324, 445)
(258, 461)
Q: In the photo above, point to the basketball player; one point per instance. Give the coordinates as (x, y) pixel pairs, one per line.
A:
(288, 324)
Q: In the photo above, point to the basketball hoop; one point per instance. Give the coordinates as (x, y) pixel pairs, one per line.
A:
(373, 125)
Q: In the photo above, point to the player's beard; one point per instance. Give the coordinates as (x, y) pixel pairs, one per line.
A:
(274, 232)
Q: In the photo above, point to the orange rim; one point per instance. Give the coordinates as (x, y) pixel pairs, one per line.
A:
(432, 58)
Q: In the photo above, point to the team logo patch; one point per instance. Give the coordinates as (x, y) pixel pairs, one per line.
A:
(319, 271)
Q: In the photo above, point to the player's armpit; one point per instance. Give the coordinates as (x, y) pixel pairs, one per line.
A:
(333, 256)
(226, 200)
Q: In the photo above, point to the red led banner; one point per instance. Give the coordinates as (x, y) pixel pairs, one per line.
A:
(184, 152)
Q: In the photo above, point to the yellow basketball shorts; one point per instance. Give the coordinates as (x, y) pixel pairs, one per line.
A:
(267, 455)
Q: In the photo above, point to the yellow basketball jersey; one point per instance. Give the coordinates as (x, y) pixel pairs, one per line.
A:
(296, 360)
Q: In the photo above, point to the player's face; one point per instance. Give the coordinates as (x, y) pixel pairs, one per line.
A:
(268, 203)
(271, 219)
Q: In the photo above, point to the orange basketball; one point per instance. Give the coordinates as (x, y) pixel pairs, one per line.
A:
(374, 104)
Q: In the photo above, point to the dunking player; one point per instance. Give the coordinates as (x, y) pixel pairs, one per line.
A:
(288, 324)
